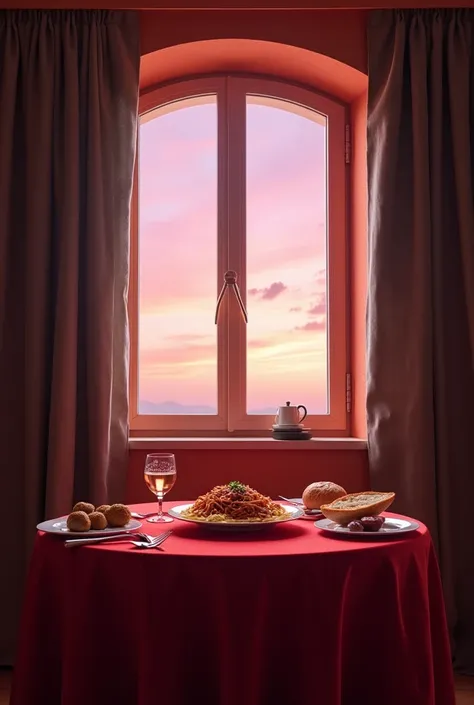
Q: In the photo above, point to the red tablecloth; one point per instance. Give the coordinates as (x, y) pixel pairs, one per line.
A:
(288, 616)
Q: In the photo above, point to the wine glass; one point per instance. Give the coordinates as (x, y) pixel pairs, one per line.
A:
(160, 476)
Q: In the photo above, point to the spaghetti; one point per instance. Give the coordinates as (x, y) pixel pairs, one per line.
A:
(233, 503)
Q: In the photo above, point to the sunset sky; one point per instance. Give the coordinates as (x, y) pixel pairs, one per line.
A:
(286, 260)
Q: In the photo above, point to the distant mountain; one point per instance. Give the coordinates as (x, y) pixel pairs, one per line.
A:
(172, 407)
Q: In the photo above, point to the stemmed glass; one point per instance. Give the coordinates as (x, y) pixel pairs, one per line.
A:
(160, 476)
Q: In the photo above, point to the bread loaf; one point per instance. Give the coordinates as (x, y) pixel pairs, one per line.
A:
(319, 493)
(358, 505)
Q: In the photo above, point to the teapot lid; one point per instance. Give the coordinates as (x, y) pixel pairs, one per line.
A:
(288, 403)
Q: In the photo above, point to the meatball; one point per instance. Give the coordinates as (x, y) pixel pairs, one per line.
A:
(83, 507)
(103, 508)
(372, 523)
(118, 515)
(98, 520)
(355, 526)
(78, 521)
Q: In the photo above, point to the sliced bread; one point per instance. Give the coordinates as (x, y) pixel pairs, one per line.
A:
(355, 506)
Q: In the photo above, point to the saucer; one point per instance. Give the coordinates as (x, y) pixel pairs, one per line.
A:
(296, 434)
(291, 428)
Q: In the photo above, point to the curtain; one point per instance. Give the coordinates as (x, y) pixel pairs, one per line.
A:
(421, 286)
(68, 115)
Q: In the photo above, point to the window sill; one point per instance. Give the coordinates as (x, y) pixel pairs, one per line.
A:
(245, 444)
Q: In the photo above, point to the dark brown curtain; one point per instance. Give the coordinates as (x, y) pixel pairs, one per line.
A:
(421, 285)
(68, 107)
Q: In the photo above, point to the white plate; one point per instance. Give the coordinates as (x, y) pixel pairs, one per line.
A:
(308, 513)
(294, 512)
(59, 527)
(391, 527)
(289, 427)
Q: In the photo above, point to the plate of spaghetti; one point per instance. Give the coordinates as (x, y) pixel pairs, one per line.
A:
(235, 506)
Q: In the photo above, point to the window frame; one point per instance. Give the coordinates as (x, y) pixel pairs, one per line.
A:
(231, 418)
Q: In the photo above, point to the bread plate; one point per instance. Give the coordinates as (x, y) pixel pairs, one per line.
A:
(59, 527)
(308, 513)
(392, 526)
(359, 504)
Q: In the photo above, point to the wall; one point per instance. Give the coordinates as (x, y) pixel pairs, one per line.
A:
(272, 472)
(340, 35)
(358, 262)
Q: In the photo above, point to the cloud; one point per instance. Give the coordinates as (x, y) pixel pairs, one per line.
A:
(154, 360)
(268, 255)
(319, 308)
(187, 337)
(171, 268)
(320, 277)
(270, 292)
(259, 343)
(295, 309)
(172, 407)
(313, 325)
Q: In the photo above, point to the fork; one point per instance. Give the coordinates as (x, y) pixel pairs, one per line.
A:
(144, 540)
(156, 543)
(291, 501)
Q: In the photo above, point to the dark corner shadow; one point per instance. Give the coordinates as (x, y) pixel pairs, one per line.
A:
(280, 532)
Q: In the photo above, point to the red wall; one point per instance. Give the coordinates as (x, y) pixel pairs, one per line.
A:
(272, 472)
(340, 35)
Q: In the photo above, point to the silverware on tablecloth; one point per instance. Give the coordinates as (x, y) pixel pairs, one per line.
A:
(141, 538)
(291, 501)
(156, 543)
(162, 538)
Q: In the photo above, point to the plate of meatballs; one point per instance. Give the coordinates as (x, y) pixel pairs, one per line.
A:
(369, 527)
(360, 514)
(93, 521)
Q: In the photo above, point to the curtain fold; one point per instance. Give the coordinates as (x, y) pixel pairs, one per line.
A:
(68, 116)
(420, 316)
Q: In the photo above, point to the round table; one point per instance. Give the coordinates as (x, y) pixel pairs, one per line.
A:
(285, 616)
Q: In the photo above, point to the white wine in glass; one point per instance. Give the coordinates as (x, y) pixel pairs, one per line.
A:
(160, 476)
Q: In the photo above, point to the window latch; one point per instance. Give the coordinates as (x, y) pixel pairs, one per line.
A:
(230, 281)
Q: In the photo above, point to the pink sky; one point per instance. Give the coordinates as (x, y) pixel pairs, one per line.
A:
(286, 260)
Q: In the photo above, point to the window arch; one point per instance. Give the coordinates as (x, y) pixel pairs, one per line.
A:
(244, 174)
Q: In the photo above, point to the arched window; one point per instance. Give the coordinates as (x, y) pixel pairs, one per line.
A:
(245, 175)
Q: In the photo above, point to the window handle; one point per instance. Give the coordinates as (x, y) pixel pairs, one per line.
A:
(230, 281)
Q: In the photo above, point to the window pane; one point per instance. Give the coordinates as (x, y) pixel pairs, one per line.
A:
(178, 259)
(286, 257)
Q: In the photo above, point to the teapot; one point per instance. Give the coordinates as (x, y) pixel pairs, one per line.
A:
(289, 415)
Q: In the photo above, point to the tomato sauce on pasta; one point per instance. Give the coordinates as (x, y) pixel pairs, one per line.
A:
(235, 502)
